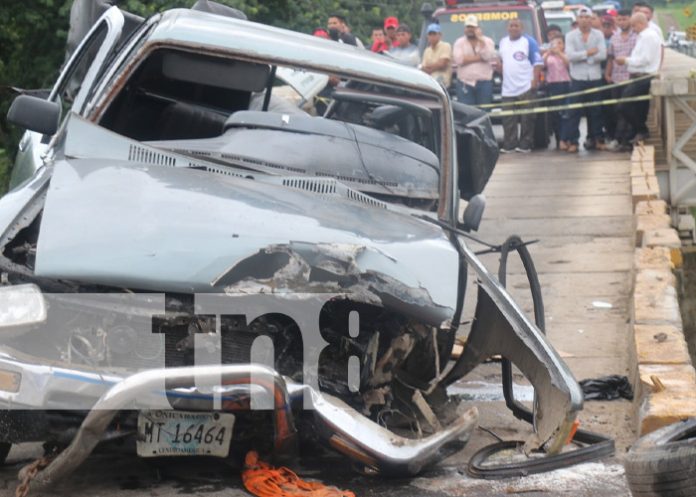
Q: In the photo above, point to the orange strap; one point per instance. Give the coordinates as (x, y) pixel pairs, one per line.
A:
(573, 430)
(263, 480)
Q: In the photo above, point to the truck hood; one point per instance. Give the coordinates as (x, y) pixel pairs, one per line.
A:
(172, 229)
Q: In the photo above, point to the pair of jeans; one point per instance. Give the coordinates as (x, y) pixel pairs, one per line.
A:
(594, 113)
(480, 94)
(524, 137)
(609, 113)
(559, 119)
(636, 113)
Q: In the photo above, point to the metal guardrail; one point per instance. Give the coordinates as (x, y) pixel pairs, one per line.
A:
(689, 49)
(678, 96)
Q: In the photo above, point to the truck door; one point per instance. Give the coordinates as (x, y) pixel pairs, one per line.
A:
(71, 88)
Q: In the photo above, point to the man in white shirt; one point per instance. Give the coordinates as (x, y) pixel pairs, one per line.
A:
(648, 10)
(644, 60)
(521, 66)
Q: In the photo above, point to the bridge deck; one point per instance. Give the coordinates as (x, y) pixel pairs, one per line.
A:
(580, 209)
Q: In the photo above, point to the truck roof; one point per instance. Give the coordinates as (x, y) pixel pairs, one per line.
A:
(184, 27)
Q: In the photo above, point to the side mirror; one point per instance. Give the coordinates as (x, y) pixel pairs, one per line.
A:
(427, 10)
(477, 149)
(473, 213)
(35, 114)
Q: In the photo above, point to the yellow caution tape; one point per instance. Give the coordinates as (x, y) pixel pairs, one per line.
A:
(554, 108)
(567, 95)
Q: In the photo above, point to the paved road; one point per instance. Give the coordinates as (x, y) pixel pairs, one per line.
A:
(125, 476)
(580, 210)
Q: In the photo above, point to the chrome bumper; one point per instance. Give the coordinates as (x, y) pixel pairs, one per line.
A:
(340, 426)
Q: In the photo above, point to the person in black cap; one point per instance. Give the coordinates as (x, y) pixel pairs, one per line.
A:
(339, 31)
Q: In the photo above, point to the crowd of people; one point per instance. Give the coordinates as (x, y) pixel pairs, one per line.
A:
(601, 51)
(622, 50)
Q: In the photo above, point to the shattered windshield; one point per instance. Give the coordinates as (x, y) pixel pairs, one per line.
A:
(377, 139)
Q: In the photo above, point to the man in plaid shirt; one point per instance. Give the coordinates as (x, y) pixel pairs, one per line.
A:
(620, 45)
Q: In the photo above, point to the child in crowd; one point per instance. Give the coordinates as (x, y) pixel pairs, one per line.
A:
(379, 40)
(558, 83)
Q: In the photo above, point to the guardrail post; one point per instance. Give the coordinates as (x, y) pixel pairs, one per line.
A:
(670, 133)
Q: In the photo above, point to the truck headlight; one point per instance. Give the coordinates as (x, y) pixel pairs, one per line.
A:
(21, 308)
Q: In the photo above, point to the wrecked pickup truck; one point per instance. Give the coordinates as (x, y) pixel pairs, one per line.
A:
(195, 261)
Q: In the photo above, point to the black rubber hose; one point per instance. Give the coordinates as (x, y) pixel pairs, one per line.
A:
(596, 446)
(477, 469)
(514, 242)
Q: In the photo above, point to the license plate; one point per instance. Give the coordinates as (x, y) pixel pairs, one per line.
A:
(181, 433)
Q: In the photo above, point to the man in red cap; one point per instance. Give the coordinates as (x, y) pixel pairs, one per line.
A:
(391, 23)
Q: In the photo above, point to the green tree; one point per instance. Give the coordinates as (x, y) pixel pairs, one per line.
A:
(32, 41)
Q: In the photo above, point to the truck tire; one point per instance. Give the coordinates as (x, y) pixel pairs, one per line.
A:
(4, 451)
(663, 463)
